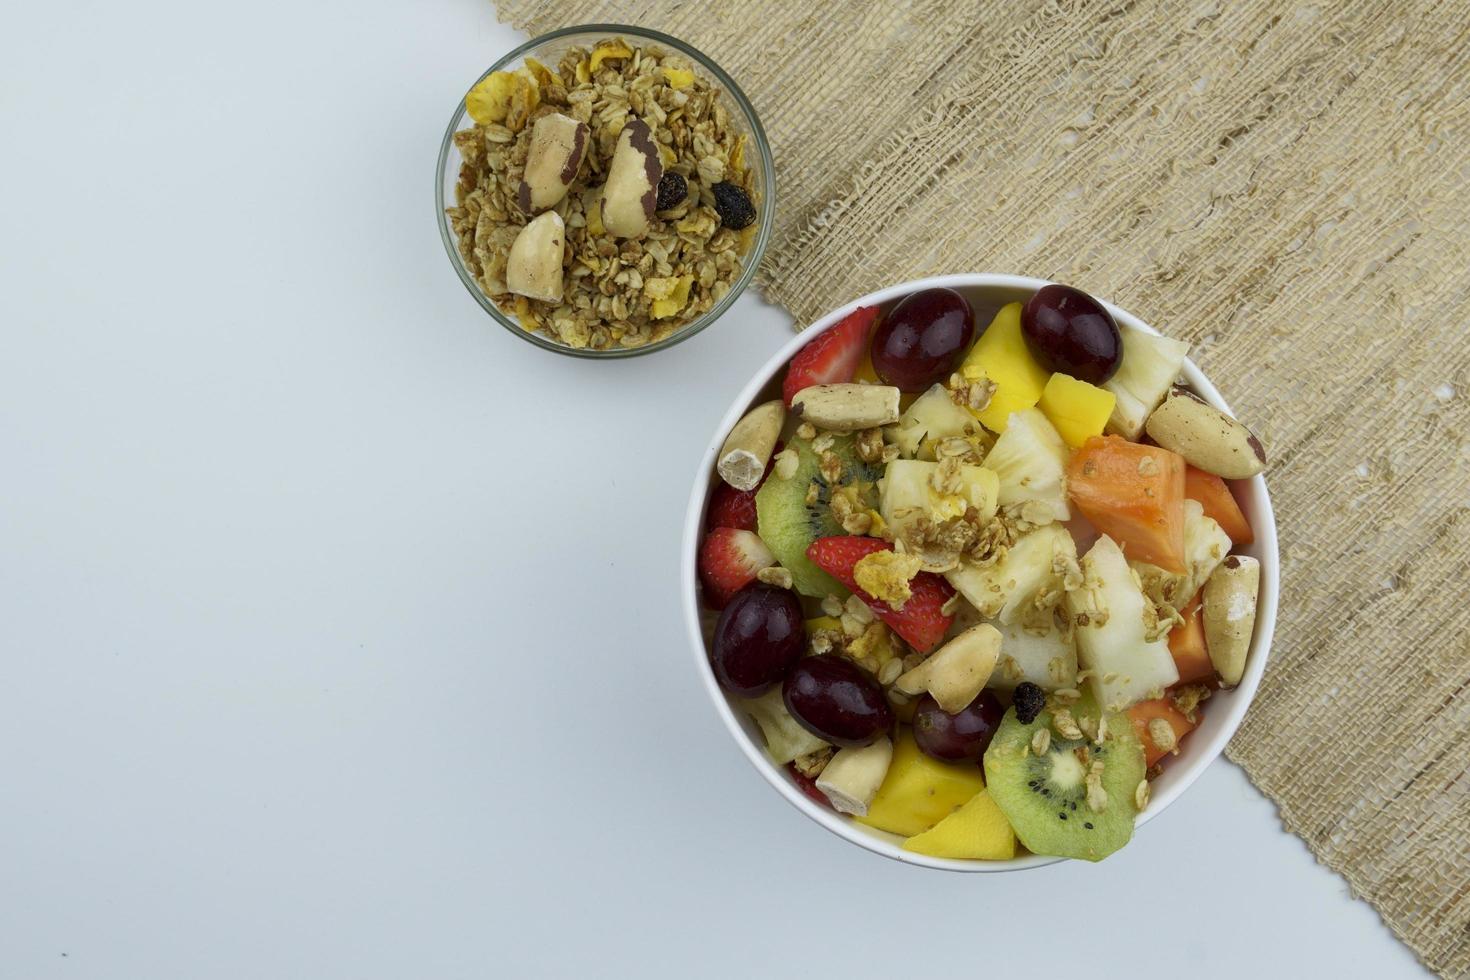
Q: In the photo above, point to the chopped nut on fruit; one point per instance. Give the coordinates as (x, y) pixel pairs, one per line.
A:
(869, 445)
(1097, 797)
(1141, 794)
(889, 672)
(832, 606)
(1188, 698)
(812, 764)
(885, 575)
(1041, 741)
(1161, 733)
(1066, 726)
(806, 431)
(787, 463)
(775, 575)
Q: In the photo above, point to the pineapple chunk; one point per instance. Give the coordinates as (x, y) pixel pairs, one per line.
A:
(1150, 366)
(1205, 547)
(908, 494)
(1001, 355)
(932, 418)
(1031, 461)
(1045, 655)
(1077, 409)
(785, 738)
(1028, 579)
(1112, 620)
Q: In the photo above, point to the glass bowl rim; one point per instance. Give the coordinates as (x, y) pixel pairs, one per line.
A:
(751, 260)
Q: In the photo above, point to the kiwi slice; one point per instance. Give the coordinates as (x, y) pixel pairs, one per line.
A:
(788, 524)
(1045, 796)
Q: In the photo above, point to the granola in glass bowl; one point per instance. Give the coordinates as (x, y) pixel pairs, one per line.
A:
(609, 199)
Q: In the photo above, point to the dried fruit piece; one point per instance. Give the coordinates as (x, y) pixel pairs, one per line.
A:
(669, 295)
(489, 100)
(607, 51)
(672, 189)
(525, 96)
(677, 77)
(733, 205)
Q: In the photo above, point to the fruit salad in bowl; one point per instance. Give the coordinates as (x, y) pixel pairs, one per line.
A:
(981, 572)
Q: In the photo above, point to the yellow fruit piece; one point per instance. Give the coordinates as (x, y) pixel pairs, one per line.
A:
(669, 295)
(918, 791)
(1077, 409)
(609, 49)
(678, 77)
(977, 831)
(543, 75)
(525, 97)
(1001, 355)
(823, 623)
(737, 156)
(584, 74)
(489, 100)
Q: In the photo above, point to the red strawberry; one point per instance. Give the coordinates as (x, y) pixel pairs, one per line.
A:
(808, 786)
(920, 622)
(729, 507)
(833, 356)
(728, 561)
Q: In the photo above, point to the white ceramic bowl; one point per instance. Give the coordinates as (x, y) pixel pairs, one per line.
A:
(1223, 712)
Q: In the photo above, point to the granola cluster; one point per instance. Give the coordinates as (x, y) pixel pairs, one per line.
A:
(619, 292)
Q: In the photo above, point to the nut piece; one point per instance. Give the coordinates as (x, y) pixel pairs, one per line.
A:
(852, 778)
(847, 407)
(748, 448)
(1206, 437)
(958, 671)
(631, 191)
(533, 268)
(1230, 615)
(558, 145)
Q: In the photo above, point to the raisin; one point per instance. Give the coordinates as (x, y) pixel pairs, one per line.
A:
(1028, 701)
(733, 205)
(672, 189)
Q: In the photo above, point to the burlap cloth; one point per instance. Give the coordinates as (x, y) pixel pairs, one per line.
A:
(1284, 185)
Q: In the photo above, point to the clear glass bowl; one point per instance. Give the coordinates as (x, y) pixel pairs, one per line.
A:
(548, 50)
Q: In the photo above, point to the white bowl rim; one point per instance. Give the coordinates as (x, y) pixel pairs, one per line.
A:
(1190, 765)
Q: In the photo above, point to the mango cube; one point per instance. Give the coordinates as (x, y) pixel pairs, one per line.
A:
(1001, 355)
(1077, 409)
(977, 831)
(918, 791)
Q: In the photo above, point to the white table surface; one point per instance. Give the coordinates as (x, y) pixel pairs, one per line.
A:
(339, 632)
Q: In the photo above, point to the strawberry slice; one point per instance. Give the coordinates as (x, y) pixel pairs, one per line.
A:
(728, 561)
(833, 356)
(729, 507)
(920, 622)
